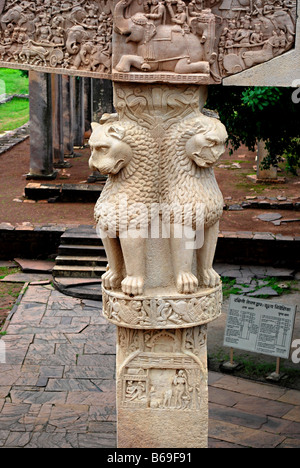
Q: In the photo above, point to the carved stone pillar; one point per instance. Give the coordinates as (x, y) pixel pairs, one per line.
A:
(57, 123)
(41, 148)
(264, 174)
(88, 103)
(158, 217)
(103, 98)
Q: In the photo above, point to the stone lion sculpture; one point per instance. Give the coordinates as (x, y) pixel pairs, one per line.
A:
(188, 184)
(141, 174)
(129, 156)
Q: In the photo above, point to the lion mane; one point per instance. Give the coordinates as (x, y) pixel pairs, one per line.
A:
(137, 183)
(185, 185)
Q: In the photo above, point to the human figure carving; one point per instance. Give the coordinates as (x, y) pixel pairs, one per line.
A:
(157, 12)
(181, 389)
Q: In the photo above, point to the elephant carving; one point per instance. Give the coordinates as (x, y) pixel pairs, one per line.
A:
(164, 45)
(83, 55)
(100, 59)
(2, 5)
(278, 21)
(76, 36)
(12, 16)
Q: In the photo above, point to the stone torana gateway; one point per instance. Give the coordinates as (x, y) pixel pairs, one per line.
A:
(159, 212)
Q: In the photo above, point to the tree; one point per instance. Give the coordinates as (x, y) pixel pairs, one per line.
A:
(260, 113)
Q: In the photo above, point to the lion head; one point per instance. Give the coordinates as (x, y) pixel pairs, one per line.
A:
(110, 154)
(205, 144)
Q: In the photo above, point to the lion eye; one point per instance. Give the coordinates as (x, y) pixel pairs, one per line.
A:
(101, 149)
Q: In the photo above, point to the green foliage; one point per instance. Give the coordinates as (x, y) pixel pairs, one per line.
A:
(24, 73)
(257, 99)
(260, 113)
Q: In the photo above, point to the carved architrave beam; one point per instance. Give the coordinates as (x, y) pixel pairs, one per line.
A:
(151, 41)
(57, 36)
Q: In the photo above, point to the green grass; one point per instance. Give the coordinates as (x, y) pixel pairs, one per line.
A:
(230, 287)
(15, 83)
(252, 368)
(13, 114)
(8, 271)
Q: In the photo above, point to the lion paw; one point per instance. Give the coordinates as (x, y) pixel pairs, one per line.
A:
(111, 280)
(133, 285)
(186, 283)
(210, 278)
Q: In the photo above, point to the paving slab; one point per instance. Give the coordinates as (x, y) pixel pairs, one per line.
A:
(27, 278)
(57, 388)
(269, 216)
(33, 266)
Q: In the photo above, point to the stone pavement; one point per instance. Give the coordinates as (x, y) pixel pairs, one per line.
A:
(10, 139)
(57, 385)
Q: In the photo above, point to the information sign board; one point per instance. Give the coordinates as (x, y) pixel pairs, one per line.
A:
(259, 326)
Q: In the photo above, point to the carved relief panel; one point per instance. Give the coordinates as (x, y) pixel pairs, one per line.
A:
(198, 41)
(175, 41)
(162, 389)
(162, 370)
(57, 36)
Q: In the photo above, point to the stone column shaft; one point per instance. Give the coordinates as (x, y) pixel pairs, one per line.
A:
(162, 391)
(102, 103)
(41, 146)
(88, 103)
(68, 115)
(79, 117)
(264, 174)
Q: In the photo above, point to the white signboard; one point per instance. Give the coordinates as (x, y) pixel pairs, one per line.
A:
(259, 326)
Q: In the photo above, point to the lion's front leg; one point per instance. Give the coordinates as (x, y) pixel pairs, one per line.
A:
(134, 252)
(113, 277)
(205, 256)
(182, 259)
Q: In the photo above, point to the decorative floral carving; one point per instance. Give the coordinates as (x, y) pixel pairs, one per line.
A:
(162, 313)
(156, 108)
